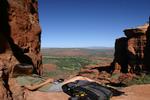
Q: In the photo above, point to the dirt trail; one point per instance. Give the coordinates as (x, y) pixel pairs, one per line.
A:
(46, 96)
(136, 92)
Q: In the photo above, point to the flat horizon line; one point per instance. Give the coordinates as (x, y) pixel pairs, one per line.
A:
(92, 47)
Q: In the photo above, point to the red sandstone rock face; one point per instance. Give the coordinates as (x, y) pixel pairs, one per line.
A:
(136, 46)
(19, 41)
(25, 31)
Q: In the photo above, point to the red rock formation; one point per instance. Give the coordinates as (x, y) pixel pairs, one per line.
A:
(19, 41)
(130, 51)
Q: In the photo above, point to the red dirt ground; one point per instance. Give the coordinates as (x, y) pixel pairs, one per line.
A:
(49, 67)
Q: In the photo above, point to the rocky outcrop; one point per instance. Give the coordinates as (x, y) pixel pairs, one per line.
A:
(19, 41)
(130, 55)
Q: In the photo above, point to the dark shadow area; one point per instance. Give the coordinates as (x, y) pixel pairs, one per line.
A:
(117, 84)
(4, 27)
(32, 9)
(120, 55)
(135, 62)
(116, 92)
(104, 68)
(4, 30)
(5, 78)
(22, 70)
(147, 50)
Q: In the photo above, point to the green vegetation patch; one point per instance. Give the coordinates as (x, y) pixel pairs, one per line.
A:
(72, 63)
(144, 79)
(67, 63)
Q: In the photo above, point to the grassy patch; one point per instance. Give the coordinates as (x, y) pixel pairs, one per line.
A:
(59, 73)
(144, 79)
(72, 63)
(67, 63)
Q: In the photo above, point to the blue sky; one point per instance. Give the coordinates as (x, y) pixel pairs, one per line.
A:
(86, 23)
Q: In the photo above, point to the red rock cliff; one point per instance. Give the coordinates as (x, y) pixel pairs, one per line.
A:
(131, 51)
(19, 40)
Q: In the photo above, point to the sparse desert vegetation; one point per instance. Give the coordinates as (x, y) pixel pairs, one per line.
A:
(143, 79)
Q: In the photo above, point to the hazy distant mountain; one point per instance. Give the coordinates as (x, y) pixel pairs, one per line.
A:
(96, 47)
(92, 47)
(86, 51)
